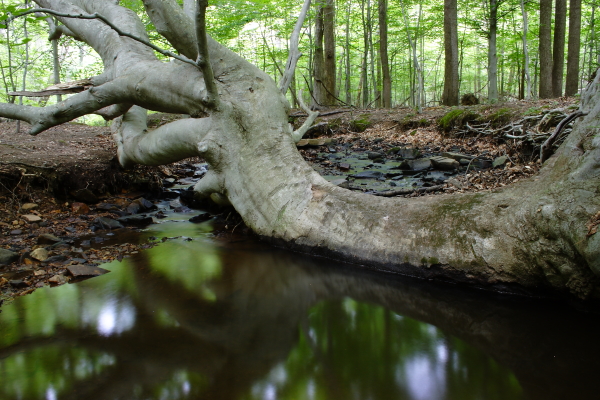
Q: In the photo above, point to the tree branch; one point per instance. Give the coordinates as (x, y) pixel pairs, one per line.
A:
(312, 115)
(203, 61)
(294, 55)
(113, 27)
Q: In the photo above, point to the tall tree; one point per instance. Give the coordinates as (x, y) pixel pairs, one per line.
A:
(572, 83)
(545, 51)
(492, 52)
(527, 94)
(451, 81)
(558, 51)
(329, 47)
(324, 56)
(383, 53)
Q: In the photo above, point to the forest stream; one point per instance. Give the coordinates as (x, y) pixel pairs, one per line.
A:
(205, 317)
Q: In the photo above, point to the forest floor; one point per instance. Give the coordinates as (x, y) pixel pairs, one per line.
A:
(59, 189)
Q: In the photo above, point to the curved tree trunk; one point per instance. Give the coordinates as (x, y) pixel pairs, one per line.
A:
(531, 236)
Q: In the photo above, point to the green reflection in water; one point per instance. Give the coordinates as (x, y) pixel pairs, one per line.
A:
(196, 320)
(353, 350)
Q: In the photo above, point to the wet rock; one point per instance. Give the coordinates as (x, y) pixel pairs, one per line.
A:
(29, 206)
(374, 155)
(394, 174)
(31, 218)
(48, 238)
(420, 164)
(85, 195)
(139, 205)
(409, 153)
(39, 254)
(168, 182)
(86, 270)
(7, 256)
(500, 161)
(201, 217)
(107, 207)
(80, 208)
(58, 280)
(135, 220)
(368, 175)
(106, 223)
(457, 156)
(16, 232)
(70, 229)
(344, 166)
(444, 163)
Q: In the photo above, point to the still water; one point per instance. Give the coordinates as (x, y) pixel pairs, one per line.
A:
(236, 319)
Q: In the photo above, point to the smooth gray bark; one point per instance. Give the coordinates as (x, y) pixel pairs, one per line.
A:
(532, 236)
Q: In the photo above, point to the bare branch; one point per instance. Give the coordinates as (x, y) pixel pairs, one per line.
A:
(203, 61)
(112, 26)
(294, 55)
(312, 115)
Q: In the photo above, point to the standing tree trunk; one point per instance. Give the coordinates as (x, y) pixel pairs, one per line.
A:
(558, 51)
(329, 61)
(545, 52)
(572, 84)
(383, 52)
(347, 83)
(534, 235)
(527, 94)
(492, 53)
(319, 92)
(451, 83)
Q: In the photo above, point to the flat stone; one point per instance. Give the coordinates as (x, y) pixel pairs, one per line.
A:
(444, 163)
(39, 254)
(368, 175)
(29, 206)
(7, 256)
(457, 156)
(500, 161)
(31, 218)
(344, 166)
(421, 164)
(58, 279)
(86, 270)
(374, 155)
(16, 232)
(48, 238)
(107, 223)
(338, 182)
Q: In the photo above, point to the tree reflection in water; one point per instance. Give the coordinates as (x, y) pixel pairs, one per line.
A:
(245, 321)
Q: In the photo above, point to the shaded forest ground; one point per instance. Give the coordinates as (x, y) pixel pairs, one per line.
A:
(54, 185)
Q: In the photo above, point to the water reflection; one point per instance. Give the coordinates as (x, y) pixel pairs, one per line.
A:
(188, 320)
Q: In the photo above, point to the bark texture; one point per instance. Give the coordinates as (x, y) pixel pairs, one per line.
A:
(450, 95)
(545, 49)
(533, 236)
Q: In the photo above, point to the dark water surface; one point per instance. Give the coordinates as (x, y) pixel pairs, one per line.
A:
(208, 319)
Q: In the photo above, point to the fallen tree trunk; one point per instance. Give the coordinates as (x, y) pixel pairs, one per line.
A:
(531, 237)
